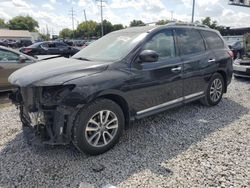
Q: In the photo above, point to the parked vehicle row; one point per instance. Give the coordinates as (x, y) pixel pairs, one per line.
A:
(15, 43)
(49, 48)
(90, 98)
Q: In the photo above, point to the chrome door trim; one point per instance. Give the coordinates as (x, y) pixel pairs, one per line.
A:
(170, 103)
(160, 106)
(193, 95)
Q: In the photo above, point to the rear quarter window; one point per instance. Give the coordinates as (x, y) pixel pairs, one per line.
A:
(213, 40)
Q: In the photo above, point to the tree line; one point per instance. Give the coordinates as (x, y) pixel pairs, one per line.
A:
(20, 23)
(87, 29)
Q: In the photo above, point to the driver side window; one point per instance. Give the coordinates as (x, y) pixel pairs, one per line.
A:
(163, 44)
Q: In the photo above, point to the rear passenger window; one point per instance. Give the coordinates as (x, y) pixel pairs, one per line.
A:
(213, 40)
(190, 41)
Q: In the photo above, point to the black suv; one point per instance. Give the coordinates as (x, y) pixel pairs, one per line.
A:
(91, 98)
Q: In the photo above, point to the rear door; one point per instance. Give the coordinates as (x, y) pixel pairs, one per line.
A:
(63, 49)
(53, 50)
(222, 59)
(196, 61)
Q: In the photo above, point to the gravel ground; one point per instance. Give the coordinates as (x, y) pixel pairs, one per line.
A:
(190, 146)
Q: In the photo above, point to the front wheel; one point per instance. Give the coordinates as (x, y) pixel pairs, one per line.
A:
(214, 92)
(98, 127)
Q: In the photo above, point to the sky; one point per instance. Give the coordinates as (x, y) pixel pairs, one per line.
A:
(56, 13)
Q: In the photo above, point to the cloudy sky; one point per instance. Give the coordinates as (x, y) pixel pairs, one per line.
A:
(56, 13)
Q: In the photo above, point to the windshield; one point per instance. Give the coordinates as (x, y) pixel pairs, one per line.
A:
(111, 47)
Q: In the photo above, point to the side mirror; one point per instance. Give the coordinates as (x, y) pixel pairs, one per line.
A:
(148, 56)
(22, 59)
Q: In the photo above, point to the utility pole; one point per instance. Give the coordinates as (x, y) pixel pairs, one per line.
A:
(101, 6)
(85, 15)
(47, 30)
(72, 14)
(193, 11)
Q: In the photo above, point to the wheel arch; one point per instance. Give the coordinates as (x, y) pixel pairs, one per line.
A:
(121, 101)
(224, 75)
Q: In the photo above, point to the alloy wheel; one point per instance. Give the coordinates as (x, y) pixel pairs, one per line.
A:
(101, 128)
(216, 90)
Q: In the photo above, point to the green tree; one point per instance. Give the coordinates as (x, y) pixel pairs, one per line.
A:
(162, 22)
(117, 27)
(66, 33)
(23, 23)
(107, 28)
(2, 23)
(87, 29)
(212, 24)
(44, 37)
(135, 23)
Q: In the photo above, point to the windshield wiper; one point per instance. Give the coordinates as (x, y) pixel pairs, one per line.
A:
(82, 58)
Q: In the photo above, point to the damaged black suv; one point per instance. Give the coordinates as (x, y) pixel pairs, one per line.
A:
(90, 98)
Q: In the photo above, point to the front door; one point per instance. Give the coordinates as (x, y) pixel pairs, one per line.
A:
(158, 84)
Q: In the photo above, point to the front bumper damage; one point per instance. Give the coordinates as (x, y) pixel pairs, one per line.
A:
(49, 122)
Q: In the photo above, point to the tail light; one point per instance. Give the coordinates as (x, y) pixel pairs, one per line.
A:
(231, 54)
(27, 50)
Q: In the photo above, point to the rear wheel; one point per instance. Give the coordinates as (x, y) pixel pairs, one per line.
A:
(214, 90)
(98, 127)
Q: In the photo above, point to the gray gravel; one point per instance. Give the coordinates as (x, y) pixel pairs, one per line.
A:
(190, 146)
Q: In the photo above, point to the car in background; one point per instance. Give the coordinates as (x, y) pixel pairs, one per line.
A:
(87, 43)
(78, 43)
(24, 43)
(237, 49)
(3, 42)
(49, 48)
(241, 68)
(10, 61)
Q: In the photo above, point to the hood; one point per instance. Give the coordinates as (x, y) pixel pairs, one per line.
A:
(55, 72)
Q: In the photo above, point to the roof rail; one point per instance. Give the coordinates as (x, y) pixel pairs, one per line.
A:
(186, 24)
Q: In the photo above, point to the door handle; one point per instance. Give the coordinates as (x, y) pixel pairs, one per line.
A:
(211, 60)
(176, 69)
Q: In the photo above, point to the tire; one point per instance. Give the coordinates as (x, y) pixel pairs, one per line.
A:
(210, 99)
(93, 136)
